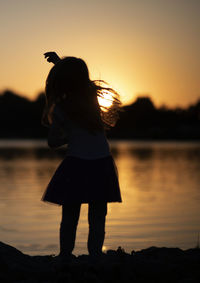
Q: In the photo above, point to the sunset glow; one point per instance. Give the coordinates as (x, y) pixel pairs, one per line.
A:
(147, 47)
(106, 100)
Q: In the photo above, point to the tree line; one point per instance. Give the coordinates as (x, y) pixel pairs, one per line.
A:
(21, 118)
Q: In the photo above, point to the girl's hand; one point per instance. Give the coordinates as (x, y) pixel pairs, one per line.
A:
(50, 114)
(52, 57)
(47, 116)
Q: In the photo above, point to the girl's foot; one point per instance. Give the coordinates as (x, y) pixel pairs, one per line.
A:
(96, 257)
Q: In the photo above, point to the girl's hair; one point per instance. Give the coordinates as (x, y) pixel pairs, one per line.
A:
(68, 84)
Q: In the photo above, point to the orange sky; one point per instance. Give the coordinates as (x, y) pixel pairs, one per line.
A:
(140, 47)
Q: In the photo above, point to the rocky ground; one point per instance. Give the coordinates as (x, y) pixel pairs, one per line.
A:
(148, 265)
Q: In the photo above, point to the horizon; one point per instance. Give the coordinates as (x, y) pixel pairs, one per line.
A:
(32, 99)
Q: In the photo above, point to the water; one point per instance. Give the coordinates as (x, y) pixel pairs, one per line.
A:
(160, 186)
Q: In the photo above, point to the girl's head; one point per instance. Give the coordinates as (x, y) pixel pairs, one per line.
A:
(68, 84)
(68, 77)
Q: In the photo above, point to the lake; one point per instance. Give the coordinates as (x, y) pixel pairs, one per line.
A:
(160, 187)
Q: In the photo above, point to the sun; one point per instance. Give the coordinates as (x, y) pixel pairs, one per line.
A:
(106, 100)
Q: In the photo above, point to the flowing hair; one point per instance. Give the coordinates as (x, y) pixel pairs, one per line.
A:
(68, 84)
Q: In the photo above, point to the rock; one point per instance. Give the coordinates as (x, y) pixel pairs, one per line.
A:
(153, 264)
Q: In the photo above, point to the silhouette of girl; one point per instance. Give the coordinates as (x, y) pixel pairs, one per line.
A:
(88, 173)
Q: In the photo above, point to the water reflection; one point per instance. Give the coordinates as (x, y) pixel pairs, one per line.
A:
(160, 191)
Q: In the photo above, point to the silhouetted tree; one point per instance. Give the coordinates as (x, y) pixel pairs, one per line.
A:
(21, 118)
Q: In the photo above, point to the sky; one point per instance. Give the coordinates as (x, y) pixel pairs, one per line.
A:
(140, 47)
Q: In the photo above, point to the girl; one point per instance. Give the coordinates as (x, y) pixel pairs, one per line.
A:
(88, 173)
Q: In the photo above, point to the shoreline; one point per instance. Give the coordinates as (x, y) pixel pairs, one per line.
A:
(153, 264)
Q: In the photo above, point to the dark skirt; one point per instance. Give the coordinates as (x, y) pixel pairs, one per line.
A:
(82, 180)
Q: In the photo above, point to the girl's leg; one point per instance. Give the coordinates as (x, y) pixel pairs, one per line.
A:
(96, 218)
(68, 225)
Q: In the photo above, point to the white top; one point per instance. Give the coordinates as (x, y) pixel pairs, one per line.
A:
(81, 143)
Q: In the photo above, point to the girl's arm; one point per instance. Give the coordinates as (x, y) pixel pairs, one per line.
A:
(57, 135)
